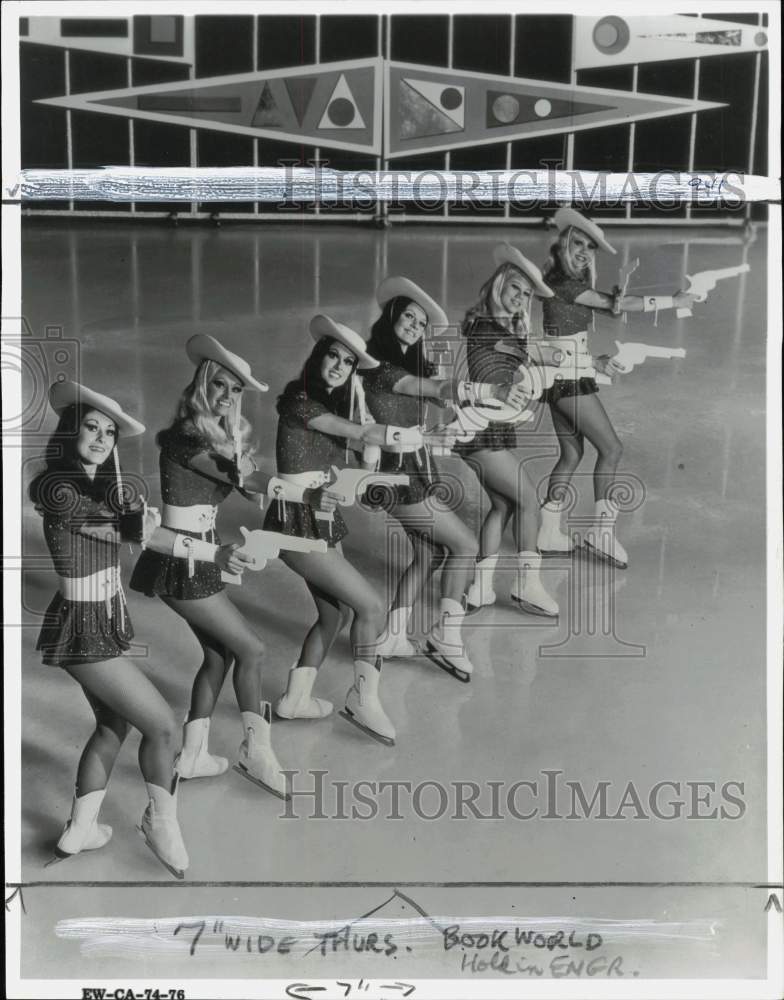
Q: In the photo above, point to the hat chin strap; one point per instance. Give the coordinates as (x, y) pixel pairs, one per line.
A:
(118, 477)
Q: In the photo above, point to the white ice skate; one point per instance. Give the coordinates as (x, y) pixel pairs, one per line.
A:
(194, 760)
(600, 538)
(445, 646)
(298, 701)
(82, 831)
(363, 707)
(551, 540)
(481, 594)
(161, 830)
(258, 762)
(528, 592)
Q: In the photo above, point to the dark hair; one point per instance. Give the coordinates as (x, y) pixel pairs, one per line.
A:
(313, 386)
(384, 345)
(62, 466)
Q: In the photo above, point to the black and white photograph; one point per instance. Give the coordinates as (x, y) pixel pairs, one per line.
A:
(392, 500)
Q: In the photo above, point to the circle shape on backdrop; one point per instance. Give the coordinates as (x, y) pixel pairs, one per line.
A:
(341, 111)
(611, 35)
(542, 108)
(760, 38)
(451, 98)
(506, 109)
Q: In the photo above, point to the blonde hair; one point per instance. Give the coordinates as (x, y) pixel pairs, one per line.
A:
(194, 409)
(489, 302)
(560, 256)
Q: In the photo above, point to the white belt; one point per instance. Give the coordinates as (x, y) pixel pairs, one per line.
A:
(307, 480)
(200, 517)
(99, 586)
(397, 449)
(419, 452)
(577, 361)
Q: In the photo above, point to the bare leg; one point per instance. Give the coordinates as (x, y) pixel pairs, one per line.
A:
(503, 476)
(218, 618)
(332, 574)
(570, 441)
(332, 617)
(492, 531)
(587, 415)
(100, 752)
(446, 530)
(426, 559)
(126, 691)
(216, 663)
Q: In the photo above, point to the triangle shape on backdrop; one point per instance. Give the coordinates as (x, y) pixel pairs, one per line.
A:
(300, 90)
(268, 114)
(341, 111)
(514, 109)
(449, 100)
(419, 118)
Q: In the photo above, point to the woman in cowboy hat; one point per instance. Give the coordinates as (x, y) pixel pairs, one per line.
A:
(395, 392)
(205, 454)
(496, 331)
(576, 410)
(315, 426)
(87, 629)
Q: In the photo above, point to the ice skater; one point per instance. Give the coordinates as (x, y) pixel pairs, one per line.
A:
(87, 629)
(496, 330)
(577, 412)
(316, 425)
(396, 392)
(205, 454)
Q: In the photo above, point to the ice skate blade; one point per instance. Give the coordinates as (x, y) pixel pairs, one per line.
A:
(176, 872)
(417, 650)
(531, 609)
(554, 553)
(300, 718)
(197, 777)
(58, 857)
(603, 557)
(386, 741)
(257, 781)
(442, 661)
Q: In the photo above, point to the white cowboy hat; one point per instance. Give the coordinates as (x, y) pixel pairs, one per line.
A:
(202, 346)
(391, 288)
(566, 217)
(63, 394)
(325, 326)
(505, 253)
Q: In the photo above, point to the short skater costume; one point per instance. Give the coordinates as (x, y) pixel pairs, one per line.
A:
(190, 505)
(566, 321)
(305, 457)
(87, 620)
(389, 407)
(493, 356)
